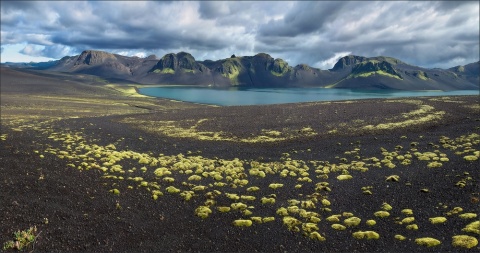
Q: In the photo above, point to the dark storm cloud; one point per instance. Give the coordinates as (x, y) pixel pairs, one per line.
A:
(422, 33)
(213, 10)
(304, 18)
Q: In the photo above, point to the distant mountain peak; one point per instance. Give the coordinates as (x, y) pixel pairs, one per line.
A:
(172, 62)
(348, 60)
(91, 57)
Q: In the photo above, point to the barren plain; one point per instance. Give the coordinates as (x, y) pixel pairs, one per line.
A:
(97, 167)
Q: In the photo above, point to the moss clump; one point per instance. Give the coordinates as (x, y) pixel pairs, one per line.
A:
(309, 227)
(393, 178)
(366, 235)
(291, 223)
(268, 200)
(464, 241)
(467, 216)
(470, 158)
(256, 172)
(437, 220)
(256, 219)
(172, 189)
(248, 198)
(242, 223)
(381, 214)
(412, 227)
(427, 241)
(473, 227)
(282, 211)
(352, 221)
(455, 210)
(194, 178)
(169, 179)
(223, 209)
(268, 219)
(156, 194)
(434, 164)
(238, 206)
(400, 237)
(371, 222)
(344, 177)
(408, 220)
(203, 211)
(253, 189)
(308, 204)
(407, 211)
(316, 236)
(232, 196)
(162, 172)
(115, 191)
(338, 227)
(293, 209)
(386, 207)
(325, 202)
(187, 195)
(275, 186)
(334, 218)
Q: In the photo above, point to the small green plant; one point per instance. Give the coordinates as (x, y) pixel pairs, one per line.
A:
(22, 239)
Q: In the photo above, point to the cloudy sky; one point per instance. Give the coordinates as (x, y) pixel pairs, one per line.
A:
(423, 33)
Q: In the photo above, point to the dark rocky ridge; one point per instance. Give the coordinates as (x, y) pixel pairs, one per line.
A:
(262, 70)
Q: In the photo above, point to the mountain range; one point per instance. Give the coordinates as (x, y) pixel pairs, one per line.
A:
(262, 70)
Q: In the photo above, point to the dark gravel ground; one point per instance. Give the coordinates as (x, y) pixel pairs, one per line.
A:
(74, 212)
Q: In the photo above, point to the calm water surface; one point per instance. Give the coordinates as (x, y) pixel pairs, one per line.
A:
(262, 96)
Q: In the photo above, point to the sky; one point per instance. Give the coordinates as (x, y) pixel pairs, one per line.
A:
(429, 34)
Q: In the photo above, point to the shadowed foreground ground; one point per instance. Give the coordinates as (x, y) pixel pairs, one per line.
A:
(97, 168)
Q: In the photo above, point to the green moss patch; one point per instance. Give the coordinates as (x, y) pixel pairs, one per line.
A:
(242, 223)
(427, 241)
(437, 220)
(369, 235)
(473, 227)
(338, 227)
(352, 221)
(382, 214)
(344, 177)
(464, 241)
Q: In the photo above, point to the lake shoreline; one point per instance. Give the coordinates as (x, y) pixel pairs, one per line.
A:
(258, 96)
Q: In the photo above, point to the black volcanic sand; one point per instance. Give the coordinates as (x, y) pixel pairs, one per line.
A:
(53, 158)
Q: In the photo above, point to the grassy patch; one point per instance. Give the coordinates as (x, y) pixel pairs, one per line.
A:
(22, 239)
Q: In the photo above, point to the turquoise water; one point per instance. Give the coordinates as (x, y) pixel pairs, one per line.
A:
(262, 96)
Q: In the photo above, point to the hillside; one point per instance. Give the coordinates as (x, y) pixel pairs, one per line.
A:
(262, 70)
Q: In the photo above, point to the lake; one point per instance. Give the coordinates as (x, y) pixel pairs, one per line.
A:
(261, 96)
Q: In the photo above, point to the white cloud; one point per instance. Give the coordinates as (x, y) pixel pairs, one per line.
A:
(330, 62)
(31, 50)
